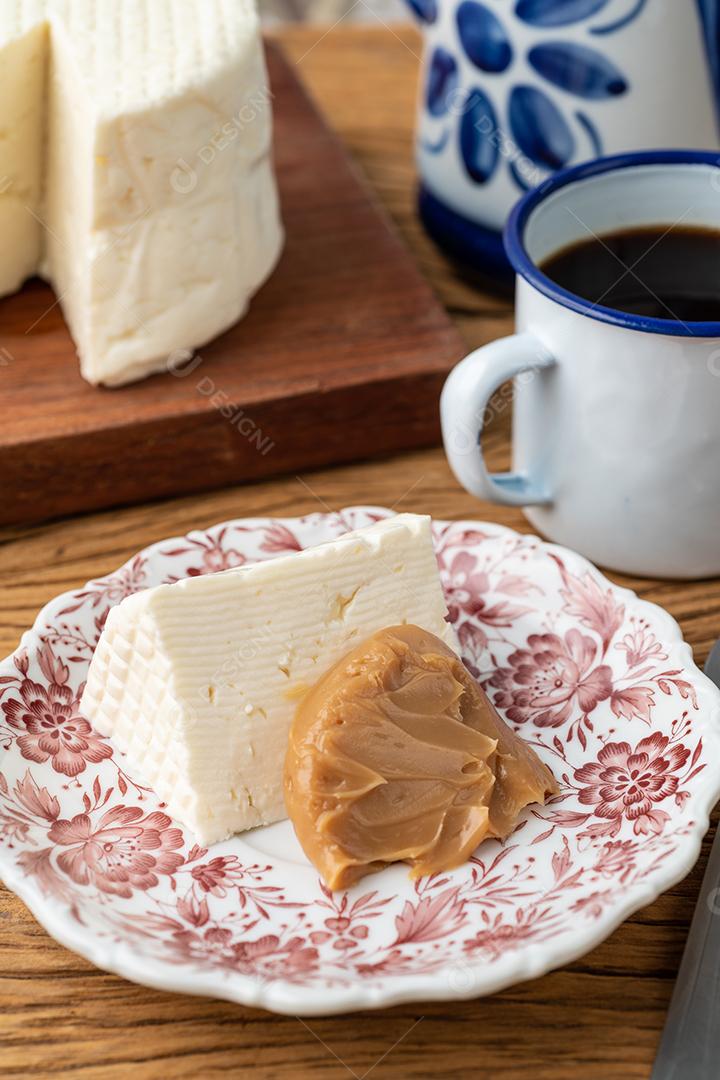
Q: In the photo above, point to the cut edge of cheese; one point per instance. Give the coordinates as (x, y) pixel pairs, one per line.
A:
(197, 682)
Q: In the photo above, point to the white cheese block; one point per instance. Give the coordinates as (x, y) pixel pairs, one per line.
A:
(197, 682)
(135, 170)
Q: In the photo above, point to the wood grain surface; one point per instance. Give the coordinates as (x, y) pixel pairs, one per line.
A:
(598, 1018)
(345, 328)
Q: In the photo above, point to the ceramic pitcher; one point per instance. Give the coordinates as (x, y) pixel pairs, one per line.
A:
(512, 90)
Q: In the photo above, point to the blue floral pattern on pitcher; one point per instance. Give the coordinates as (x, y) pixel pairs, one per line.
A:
(545, 132)
(483, 37)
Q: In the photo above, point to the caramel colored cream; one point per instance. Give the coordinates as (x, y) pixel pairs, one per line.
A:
(396, 754)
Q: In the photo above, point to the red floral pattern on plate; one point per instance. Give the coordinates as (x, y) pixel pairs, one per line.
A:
(550, 678)
(47, 719)
(627, 782)
(123, 851)
(598, 681)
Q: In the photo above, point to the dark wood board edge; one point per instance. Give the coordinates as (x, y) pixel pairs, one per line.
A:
(218, 451)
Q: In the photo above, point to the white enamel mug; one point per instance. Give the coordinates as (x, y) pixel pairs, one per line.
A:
(616, 426)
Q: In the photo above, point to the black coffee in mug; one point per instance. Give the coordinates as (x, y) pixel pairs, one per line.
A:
(659, 271)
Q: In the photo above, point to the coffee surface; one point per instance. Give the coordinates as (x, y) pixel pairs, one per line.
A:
(660, 271)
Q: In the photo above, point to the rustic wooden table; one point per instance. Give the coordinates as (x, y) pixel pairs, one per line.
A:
(598, 1018)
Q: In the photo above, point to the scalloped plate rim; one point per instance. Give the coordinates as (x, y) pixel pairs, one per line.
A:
(533, 961)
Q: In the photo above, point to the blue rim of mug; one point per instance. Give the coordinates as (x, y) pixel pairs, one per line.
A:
(523, 265)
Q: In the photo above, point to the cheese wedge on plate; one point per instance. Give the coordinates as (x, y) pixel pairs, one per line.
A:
(198, 682)
(135, 171)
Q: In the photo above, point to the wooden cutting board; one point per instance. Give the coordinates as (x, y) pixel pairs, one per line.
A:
(342, 356)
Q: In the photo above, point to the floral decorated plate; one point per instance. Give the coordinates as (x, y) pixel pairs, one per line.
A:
(598, 680)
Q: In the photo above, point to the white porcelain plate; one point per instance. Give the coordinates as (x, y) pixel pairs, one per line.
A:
(599, 681)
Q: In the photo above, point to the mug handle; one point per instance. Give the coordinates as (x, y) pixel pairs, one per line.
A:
(463, 401)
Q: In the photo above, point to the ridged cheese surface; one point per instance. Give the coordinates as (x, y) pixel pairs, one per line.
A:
(197, 682)
(135, 170)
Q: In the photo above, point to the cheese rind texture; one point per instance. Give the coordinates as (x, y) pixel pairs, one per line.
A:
(197, 682)
(135, 171)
